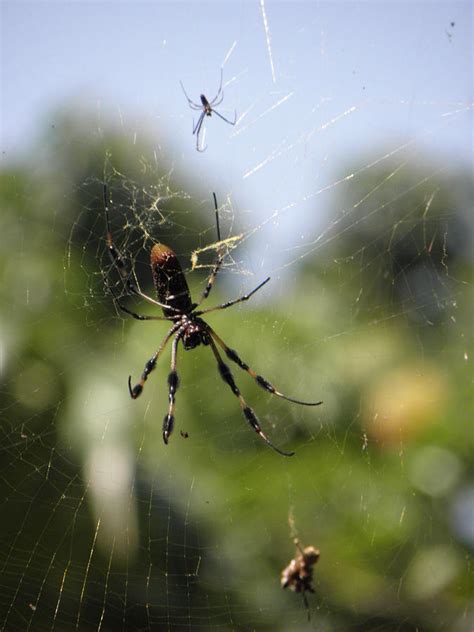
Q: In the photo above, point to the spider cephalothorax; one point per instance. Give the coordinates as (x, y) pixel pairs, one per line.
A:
(174, 298)
(194, 333)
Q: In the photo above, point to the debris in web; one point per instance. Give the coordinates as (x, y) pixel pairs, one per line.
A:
(217, 246)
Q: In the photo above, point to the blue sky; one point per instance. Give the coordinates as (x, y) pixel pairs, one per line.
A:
(328, 83)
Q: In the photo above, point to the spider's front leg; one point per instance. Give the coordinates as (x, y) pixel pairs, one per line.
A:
(119, 262)
(219, 259)
(245, 297)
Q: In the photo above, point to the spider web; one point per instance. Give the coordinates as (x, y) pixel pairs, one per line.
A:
(348, 181)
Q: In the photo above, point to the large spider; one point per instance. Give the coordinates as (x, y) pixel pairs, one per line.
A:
(174, 298)
(207, 108)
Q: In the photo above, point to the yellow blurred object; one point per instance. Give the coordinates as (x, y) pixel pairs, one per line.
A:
(401, 403)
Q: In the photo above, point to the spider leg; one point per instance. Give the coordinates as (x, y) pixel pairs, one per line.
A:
(211, 279)
(261, 381)
(219, 92)
(224, 118)
(216, 101)
(173, 383)
(150, 365)
(138, 316)
(248, 413)
(306, 605)
(192, 105)
(219, 260)
(130, 312)
(114, 252)
(197, 127)
(133, 288)
(200, 149)
(245, 297)
(118, 260)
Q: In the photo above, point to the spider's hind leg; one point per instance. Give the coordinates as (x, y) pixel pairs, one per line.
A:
(261, 381)
(248, 413)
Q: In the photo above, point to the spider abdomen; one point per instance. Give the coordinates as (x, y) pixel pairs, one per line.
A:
(169, 280)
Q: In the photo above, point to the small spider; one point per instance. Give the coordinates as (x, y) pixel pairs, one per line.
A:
(298, 575)
(174, 299)
(207, 108)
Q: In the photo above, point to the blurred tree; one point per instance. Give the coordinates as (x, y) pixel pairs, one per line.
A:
(53, 299)
(100, 524)
(401, 239)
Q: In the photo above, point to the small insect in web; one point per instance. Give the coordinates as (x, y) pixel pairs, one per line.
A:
(187, 326)
(207, 109)
(298, 575)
